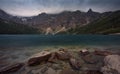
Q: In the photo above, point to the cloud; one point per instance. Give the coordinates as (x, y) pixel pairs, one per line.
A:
(34, 7)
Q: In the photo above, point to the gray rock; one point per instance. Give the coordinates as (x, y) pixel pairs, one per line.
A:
(84, 52)
(90, 59)
(50, 71)
(93, 72)
(102, 53)
(39, 58)
(75, 64)
(68, 71)
(53, 58)
(56, 67)
(44, 70)
(12, 68)
(111, 64)
(63, 55)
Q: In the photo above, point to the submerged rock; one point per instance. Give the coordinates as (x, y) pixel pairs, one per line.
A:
(46, 56)
(75, 64)
(11, 68)
(111, 64)
(39, 58)
(102, 53)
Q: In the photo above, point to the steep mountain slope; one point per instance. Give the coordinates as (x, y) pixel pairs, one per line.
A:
(105, 25)
(8, 27)
(66, 19)
(4, 15)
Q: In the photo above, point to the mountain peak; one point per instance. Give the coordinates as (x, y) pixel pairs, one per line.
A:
(4, 15)
(42, 14)
(2, 11)
(78, 11)
(90, 10)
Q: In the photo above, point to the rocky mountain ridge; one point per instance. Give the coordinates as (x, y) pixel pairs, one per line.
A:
(66, 19)
(57, 23)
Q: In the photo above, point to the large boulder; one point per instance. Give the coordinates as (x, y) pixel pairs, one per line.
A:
(39, 58)
(102, 53)
(111, 64)
(12, 68)
(75, 64)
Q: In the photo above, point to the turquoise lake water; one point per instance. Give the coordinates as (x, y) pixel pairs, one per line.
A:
(58, 40)
(21, 47)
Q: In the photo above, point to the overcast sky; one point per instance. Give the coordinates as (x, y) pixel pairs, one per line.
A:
(35, 7)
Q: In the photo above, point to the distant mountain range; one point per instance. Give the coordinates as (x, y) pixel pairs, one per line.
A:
(66, 22)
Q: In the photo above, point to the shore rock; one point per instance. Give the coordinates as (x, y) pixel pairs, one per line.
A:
(93, 72)
(3, 63)
(90, 59)
(50, 71)
(84, 52)
(75, 64)
(63, 55)
(44, 70)
(68, 71)
(11, 68)
(111, 64)
(56, 66)
(53, 58)
(38, 58)
(102, 53)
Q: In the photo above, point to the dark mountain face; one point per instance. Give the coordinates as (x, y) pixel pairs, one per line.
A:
(109, 23)
(66, 19)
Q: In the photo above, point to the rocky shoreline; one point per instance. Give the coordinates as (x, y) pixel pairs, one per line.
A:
(65, 61)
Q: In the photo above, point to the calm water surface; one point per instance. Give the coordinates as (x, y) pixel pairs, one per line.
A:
(50, 40)
(21, 47)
